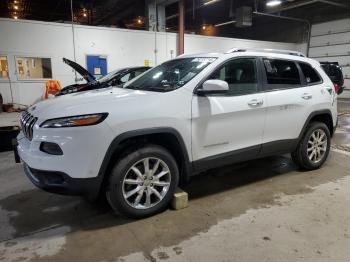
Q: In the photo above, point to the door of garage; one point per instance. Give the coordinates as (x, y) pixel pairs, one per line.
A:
(97, 65)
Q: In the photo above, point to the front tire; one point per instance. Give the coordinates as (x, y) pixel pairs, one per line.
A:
(313, 148)
(143, 182)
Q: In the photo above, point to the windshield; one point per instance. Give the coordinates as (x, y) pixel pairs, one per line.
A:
(109, 76)
(170, 75)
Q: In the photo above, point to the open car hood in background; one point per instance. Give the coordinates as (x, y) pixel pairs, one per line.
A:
(81, 70)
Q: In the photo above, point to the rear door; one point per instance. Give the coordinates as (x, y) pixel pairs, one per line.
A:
(288, 104)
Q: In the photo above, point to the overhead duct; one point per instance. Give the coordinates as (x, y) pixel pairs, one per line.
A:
(244, 16)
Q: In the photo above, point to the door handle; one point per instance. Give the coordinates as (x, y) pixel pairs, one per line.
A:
(306, 96)
(255, 102)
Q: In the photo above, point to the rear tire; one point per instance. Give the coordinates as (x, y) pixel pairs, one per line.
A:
(143, 182)
(313, 148)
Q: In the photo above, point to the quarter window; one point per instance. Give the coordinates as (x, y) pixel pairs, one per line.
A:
(283, 73)
(311, 76)
(240, 74)
(4, 70)
(31, 68)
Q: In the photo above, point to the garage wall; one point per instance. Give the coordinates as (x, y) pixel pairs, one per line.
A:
(331, 42)
(122, 48)
(199, 43)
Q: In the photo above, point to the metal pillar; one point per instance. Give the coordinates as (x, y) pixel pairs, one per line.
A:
(181, 34)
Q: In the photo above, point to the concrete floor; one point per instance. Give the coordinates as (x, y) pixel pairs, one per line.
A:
(262, 210)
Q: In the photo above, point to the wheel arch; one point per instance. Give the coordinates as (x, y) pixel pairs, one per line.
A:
(167, 137)
(323, 116)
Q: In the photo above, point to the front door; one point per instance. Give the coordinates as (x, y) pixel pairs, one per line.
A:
(228, 127)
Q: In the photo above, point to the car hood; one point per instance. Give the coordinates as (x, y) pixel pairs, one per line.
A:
(89, 102)
(81, 70)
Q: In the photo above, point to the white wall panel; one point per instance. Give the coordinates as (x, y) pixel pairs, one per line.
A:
(198, 44)
(336, 25)
(332, 50)
(329, 39)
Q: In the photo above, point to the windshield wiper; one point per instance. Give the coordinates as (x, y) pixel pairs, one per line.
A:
(155, 89)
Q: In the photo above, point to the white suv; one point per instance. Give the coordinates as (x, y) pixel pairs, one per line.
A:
(137, 142)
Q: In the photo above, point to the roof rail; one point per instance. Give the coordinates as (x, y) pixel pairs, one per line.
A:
(275, 51)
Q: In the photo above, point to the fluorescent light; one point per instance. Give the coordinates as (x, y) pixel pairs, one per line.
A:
(211, 2)
(226, 23)
(272, 3)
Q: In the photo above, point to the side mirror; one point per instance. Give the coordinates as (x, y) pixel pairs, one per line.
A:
(213, 86)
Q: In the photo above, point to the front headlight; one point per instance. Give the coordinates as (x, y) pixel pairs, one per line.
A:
(72, 121)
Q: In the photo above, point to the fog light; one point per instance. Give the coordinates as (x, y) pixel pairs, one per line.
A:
(50, 148)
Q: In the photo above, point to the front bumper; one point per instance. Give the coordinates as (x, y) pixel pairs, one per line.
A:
(83, 150)
(77, 170)
(61, 183)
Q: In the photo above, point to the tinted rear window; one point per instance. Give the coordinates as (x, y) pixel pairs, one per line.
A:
(311, 76)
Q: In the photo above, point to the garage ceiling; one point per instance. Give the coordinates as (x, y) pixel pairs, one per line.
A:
(201, 18)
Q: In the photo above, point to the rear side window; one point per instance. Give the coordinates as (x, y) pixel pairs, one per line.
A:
(311, 76)
(282, 73)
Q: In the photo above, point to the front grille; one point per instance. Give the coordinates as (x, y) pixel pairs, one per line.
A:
(27, 124)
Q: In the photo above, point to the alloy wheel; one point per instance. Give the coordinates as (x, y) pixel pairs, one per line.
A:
(146, 183)
(317, 146)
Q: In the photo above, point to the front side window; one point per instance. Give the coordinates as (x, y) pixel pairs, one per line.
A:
(170, 75)
(311, 76)
(30, 68)
(281, 73)
(140, 71)
(4, 70)
(125, 78)
(240, 74)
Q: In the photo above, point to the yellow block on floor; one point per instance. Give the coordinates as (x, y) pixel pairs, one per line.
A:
(180, 199)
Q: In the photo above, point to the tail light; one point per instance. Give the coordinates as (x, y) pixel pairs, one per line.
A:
(336, 87)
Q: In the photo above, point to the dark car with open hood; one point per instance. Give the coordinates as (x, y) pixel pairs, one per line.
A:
(114, 78)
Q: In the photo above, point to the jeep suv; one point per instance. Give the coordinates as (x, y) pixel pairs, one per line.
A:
(136, 143)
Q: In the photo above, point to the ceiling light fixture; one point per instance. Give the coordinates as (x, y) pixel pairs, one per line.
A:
(15, 7)
(272, 3)
(204, 27)
(210, 2)
(15, 17)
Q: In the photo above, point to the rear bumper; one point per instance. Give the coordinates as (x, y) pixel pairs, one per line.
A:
(61, 183)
